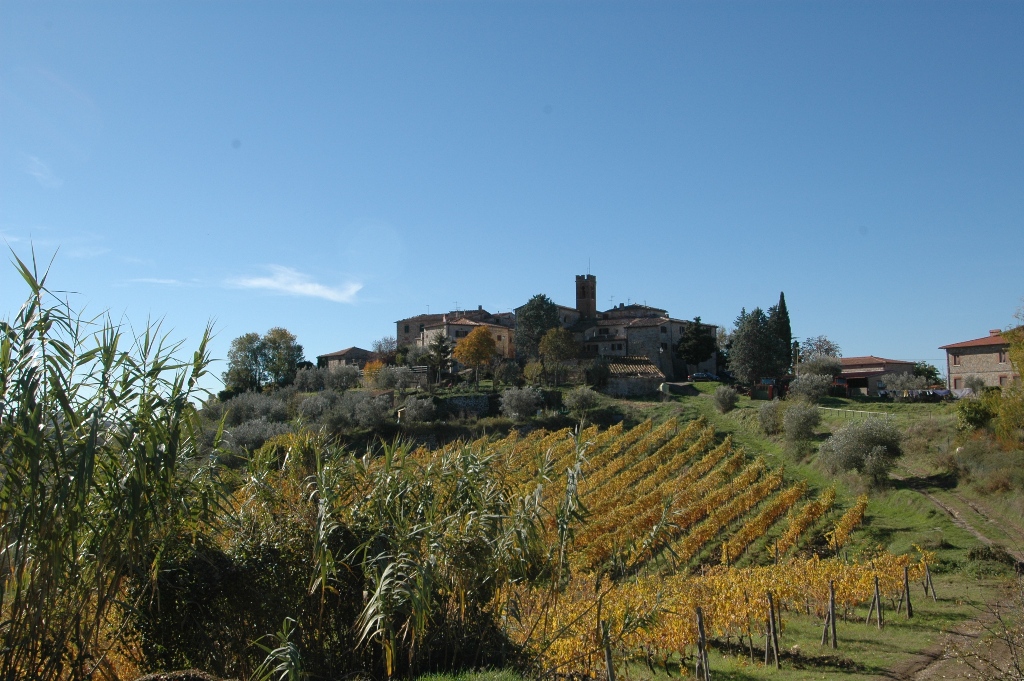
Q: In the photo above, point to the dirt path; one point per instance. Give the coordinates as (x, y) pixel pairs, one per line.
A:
(934, 663)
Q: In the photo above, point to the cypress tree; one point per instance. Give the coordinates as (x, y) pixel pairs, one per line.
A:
(782, 332)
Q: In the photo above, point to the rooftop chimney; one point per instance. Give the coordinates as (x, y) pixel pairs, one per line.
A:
(994, 332)
(479, 307)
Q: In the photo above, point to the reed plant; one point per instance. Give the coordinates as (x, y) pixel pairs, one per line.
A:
(99, 468)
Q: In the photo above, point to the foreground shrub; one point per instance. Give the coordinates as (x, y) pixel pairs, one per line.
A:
(581, 401)
(800, 420)
(374, 412)
(341, 378)
(520, 403)
(725, 398)
(253, 406)
(418, 409)
(252, 434)
(812, 387)
(309, 380)
(870, 447)
(973, 413)
(769, 417)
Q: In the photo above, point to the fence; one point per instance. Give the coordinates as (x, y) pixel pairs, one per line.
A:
(853, 413)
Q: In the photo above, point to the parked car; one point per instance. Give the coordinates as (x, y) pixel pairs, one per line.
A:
(703, 376)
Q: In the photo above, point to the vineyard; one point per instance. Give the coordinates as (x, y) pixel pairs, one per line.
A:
(649, 524)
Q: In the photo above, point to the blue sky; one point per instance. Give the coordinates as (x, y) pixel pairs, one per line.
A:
(333, 167)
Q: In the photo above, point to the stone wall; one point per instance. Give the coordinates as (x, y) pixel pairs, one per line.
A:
(632, 386)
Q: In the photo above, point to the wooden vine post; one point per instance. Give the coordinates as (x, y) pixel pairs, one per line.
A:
(905, 594)
(828, 634)
(702, 669)
(928, 582)
(606, 636)
(876, 606)
(772, 635)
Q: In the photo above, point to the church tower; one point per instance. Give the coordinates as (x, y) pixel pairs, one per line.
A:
(586, 296)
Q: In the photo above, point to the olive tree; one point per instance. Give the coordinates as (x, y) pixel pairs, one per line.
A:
(870, 447)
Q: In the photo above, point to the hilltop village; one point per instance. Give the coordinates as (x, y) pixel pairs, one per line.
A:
(636, 342)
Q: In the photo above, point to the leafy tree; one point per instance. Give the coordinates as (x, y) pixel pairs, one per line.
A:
(520, 403)
(556, 347)
(906, 381)
(370, 371)
(799, 421)
(532, 321)
(819, 345)
(697, 344)
(439, 355)
(782, 332)
(769, 417)
(533, 371)
(813, 387)
(476, 350)
(580, 401)
(385, 349)
(282, 355)
(246, 364)
(507, 372)
(820, 365)
(928, 372)
(753, 353)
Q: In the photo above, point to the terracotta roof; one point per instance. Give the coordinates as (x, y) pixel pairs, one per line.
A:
(648, 321)
(621, 367)
(354, 351)
(420, 316)
(870, 359)
(994, 337)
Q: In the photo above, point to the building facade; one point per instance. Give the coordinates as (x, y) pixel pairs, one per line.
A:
(867, 375)
(986, 357)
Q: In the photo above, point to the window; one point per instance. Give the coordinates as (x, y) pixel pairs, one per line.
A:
(1002, 381)
(956, 360)
(1002, 357)
(664, 329)
(958, 383)
(664, 346)
(407, 328)
(499, 339)
(603, 332)
(421, 327)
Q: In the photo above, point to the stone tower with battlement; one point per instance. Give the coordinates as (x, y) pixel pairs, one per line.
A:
(586, 296)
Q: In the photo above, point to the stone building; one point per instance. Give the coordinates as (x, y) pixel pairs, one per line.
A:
(408, 331)
(628, 331)
(986, 357)
(866, 375)
(355, 357)
(459, 327)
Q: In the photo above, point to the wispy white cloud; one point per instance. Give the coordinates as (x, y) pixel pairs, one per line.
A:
(292, 282)
(42, 172)
(158, 282)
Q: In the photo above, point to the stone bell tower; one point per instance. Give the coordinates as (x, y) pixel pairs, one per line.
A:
(586, 296)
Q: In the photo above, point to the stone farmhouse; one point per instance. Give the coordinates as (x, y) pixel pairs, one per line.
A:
(867, 375)
(637, 332)
(352, 357)
(986, 357)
